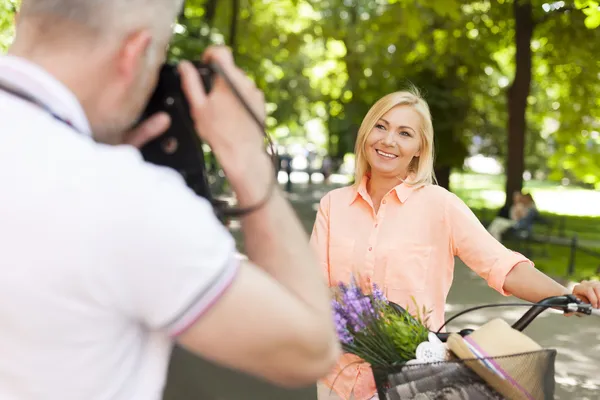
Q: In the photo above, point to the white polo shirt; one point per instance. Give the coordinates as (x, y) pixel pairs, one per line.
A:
(103, 258)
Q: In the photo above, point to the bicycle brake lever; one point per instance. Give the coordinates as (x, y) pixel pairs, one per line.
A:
(581, 308)
(574, 299)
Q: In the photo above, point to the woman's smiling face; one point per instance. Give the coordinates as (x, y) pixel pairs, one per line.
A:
(394, 142)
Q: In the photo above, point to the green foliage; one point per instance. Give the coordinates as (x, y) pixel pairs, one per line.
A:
(562, 137)
(7, 13)
(389, 341)
(406, 332)
(323, 63)
(591, 9)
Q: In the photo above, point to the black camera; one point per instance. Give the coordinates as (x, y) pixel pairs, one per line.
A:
(179, 147)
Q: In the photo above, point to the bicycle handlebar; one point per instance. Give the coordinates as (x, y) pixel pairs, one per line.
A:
(569, 303)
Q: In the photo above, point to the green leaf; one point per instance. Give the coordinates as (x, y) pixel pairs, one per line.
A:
(593, 20)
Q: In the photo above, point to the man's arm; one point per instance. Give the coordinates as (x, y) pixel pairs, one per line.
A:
(276, 240)
(259, 327)
(275, 321)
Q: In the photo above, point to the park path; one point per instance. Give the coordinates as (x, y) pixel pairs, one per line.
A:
(576, 339)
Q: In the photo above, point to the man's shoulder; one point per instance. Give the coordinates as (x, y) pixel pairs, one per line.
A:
(128, 179)
(79, 172)
(126, 168)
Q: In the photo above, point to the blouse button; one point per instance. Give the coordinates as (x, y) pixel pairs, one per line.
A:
(383, 202)
(376, 225)
(370, 248)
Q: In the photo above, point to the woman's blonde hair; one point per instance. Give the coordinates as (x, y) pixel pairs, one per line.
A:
(420, 168)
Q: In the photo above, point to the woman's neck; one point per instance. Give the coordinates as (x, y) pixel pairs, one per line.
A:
(379, 186)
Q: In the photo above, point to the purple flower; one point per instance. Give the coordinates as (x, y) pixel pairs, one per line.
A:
(354, 311)
(341, 327)
(367, 306)
(378, 294)
(357, 308)
(338, 308)
(341, 322)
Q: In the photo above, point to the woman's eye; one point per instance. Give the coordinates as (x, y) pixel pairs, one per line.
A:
(404, 133)
(379, 126)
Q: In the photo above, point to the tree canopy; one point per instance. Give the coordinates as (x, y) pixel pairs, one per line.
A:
(516, 80)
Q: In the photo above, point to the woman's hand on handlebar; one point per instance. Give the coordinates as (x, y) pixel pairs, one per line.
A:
(589, 292)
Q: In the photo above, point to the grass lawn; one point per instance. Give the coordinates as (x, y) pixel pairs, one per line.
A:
(554, 260)
(571, 211)
(487, 191)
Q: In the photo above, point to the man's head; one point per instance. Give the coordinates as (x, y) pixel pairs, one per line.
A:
(108, 52)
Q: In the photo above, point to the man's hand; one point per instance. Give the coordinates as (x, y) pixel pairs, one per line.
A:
(220, 118)
(150, 129)
(588, 291)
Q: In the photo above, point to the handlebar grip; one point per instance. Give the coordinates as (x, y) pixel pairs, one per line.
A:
(595, 312)
(443, 336)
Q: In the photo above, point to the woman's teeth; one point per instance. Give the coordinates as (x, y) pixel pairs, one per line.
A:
(386, 155)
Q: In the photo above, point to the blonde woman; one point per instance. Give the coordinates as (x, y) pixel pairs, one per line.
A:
(397, 229)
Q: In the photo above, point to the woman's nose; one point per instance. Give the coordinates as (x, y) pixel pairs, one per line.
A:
(388, 140)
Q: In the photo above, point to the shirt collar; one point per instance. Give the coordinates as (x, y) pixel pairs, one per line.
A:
(403, 191)
(35, 81)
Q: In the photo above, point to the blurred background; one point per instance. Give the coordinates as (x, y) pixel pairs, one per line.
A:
(514, 90)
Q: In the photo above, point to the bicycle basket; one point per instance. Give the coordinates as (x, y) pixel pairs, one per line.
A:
(527, 376)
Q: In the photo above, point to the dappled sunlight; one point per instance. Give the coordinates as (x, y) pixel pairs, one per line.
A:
(568, 201)
(487, 191)
(494, 198)
(576, 339)
(301, 177)
(483, 165)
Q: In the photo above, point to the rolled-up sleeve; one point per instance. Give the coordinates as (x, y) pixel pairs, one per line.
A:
(319, 239)
(473, 244)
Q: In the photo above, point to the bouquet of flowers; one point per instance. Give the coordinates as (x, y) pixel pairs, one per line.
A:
(379, 332)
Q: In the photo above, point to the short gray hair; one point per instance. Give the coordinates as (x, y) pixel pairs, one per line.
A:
(108, 16)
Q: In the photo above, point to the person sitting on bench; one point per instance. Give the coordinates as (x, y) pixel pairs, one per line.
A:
(525, 224)
(506, 218)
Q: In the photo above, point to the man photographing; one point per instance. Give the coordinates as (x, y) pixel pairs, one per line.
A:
(108, 260)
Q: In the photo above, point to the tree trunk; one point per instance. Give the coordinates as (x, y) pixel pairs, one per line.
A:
(517, 98)
(211, 11)
(352, 109)
(443, 177)
(234, 25)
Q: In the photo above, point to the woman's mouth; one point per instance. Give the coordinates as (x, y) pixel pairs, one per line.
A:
(386, 155)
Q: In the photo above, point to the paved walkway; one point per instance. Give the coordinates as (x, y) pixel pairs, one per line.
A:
(576, 339)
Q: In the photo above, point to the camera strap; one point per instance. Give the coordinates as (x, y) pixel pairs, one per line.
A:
(30, 99)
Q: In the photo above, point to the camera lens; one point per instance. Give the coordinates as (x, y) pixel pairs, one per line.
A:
(170, 145)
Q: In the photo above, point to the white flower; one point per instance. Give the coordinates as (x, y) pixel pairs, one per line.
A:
(434, 350)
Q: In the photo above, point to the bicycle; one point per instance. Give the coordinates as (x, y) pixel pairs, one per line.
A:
(434, 380)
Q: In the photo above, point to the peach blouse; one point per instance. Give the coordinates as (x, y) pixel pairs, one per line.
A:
(407, 248)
